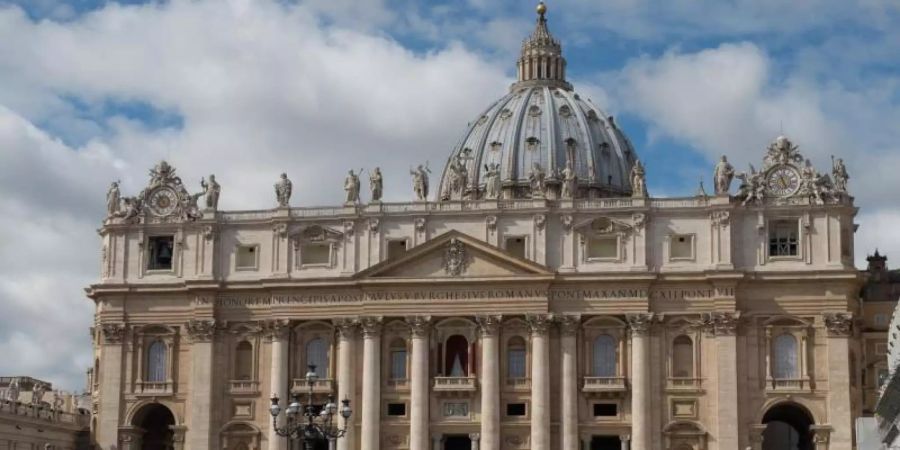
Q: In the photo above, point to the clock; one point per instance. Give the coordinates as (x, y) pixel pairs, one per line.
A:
(783, 181)
(163, 201)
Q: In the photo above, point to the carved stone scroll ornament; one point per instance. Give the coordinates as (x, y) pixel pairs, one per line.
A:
(488, 325)
(838, 324)
(371, 326)
(456, 258)
(276, 329)
(640, 323)
(419, 326)
(346, 327)
(720, 219)
(491, 222)
(201, 330)
(567, 221)
(539, 221)
(569, 324)
(721, 323)
(374, 223)
(113, 333)
(639, 220)
(539, 323)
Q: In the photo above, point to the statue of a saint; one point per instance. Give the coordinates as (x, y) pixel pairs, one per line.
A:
(283, 190)
(58, 401)
(839, 173)
(491, 181)
(351, 187)
(376, 184)
(457, 177)
(113, 200)
(12, 392)
(722, 176)
(420, 182)
(569, 181)
(212, 190)
(37, 393)
(638, 181)
(537, 179)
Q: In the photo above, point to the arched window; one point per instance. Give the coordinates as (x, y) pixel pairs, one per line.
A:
(785, 366)
(156, 362)
(515, 358)
(456, 361)
(317, 355)
(683, 357)
(243, 361)
(398, 359)
(604, 356)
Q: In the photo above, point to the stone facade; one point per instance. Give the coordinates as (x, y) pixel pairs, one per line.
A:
(544, 310)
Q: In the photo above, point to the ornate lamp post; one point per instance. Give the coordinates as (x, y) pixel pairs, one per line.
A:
(305, 423)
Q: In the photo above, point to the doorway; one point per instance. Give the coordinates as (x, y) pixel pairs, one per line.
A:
(157, 421)
(606, 443)
(787, 428)
(460, 442)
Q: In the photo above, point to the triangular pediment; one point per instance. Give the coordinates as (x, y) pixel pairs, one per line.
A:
(455, 255)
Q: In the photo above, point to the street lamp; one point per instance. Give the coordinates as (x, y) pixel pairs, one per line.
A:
(310, 426)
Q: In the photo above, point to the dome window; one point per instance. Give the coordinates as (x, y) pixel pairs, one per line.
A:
(534, 110)
(565, 111)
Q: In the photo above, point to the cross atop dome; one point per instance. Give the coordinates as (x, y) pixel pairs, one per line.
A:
(541, 61)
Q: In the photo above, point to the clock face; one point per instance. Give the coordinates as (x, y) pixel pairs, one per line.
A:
(163, 201)
(783, 181)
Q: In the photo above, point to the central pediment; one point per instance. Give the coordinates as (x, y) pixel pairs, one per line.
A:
(455, 255)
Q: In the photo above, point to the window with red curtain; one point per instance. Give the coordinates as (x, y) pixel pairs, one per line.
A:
(456, 359)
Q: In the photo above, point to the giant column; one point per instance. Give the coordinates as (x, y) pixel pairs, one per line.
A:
(840, 412)
(346, 378)
(202, 333)
(724, 327)
(568, 327)
(277, 333)
(540, 381)
(419, 398)
(640, 380)
(371, 401)
(490, 382)
(112, 335)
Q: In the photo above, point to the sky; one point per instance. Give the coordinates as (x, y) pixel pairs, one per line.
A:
(93, 91)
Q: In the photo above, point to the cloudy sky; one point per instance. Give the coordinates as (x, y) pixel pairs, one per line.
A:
(93, 91)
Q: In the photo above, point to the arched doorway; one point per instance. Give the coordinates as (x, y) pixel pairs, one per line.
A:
(157, 421)
(787, 428)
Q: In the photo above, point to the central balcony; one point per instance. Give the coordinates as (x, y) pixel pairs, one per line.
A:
(788, 385)
(455, 385)
(603, 384)
(154, 388)
(244, 387)
(319, 386)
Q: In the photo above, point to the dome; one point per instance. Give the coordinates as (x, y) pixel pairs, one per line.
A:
(541, 140)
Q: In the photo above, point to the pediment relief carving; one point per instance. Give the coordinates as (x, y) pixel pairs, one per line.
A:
(316, 234)
(604, 226)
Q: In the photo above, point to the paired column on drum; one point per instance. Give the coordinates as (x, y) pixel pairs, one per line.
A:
(419, 327)
(640, 380)
(371, 401)
(277, 334)
(540, 381)
(489, 327)
(346, 379)
(568, 329)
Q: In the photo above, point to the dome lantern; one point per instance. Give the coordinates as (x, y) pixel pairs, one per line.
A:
(541, 61)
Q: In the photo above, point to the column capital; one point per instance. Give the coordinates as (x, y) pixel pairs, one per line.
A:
(346, 327)
(624, 437)
(419, 326)
(539, 323)
(201, 330)
(569, 323)
(488, 325)
(640, 323)
(721, 323)
(276, 329)
(371, 326)
(475, 437)
(838, 324)
(113, 333)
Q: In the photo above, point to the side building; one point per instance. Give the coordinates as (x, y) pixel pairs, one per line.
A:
(34, 416)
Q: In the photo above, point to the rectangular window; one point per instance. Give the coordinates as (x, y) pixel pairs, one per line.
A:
(603, 247)
(315, 254)
(245, 257)
(606, 410)
(783, 238)
(681, 246)
(515, 246)
(396, 248)
(398, 364)
(515, 409)
(396, 409)
(161, 248)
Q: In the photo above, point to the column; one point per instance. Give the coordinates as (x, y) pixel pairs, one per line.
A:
(437, 442)
(371, 401)
(626, 441)
(489, 327)
(419, 378)
(640, 380)
(540, 381)
(474, 437)
(111, 388)
(201, 333)
(345, 376)
(568, 327)
(840, 413)
(277, 334)
(724, 327)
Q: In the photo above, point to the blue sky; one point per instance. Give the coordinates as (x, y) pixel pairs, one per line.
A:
(95, 91)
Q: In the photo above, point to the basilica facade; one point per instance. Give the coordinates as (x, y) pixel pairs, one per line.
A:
(535, 297)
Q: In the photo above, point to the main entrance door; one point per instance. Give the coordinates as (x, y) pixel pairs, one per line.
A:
(606, 443)
(157, 421)
(787, 428)
(461, 442)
